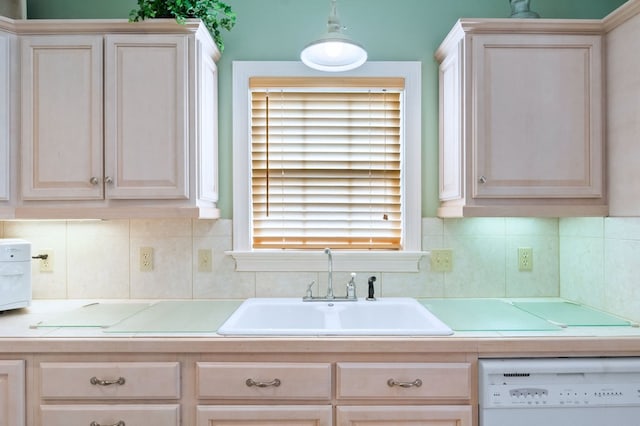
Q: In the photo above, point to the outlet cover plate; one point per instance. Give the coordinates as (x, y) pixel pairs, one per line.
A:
(441, 260)
(525, 259)
(146, 259)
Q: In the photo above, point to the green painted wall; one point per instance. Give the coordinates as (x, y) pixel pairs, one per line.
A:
(390, 30)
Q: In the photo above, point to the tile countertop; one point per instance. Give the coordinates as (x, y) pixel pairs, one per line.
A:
(20, 335)
(28, 323)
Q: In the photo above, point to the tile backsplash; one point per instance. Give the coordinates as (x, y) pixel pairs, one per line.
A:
(600, 263)
(589, 260)
(100, 259)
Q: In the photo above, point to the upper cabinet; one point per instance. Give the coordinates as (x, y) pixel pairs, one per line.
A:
(62, 134)
(118, 120)
(5, 108)
(521, 119)
(8, 103)
(146, 128)
(623, 109)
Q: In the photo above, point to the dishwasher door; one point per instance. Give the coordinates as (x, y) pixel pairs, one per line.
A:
(560, 392)
(590, 416)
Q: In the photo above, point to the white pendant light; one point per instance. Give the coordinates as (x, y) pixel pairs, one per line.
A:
(334, 51)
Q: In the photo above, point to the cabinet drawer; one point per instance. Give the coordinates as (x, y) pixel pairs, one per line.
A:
(107, 415)
(403, 381)
(110, 380)
(242, 380)
(264, 415)
(440, 415)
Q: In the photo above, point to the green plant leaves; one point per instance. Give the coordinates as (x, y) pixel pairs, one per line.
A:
(214, 14)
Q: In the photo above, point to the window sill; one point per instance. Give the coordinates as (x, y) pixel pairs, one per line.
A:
(346, 261)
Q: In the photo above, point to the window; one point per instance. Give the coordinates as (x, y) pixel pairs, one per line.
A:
(326, 161)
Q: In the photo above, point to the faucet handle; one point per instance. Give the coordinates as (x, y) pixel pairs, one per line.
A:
(309, 292)
(351, 287)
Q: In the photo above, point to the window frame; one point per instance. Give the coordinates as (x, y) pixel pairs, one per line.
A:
(404, 260)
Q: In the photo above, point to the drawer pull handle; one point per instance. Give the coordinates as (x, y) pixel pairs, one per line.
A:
(416, 383)
(120, 423)
(102, 382)
(274, 383)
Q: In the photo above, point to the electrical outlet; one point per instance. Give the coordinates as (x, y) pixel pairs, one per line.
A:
(442, 260)
(204, 260)
(146, 259)
(525, 259)
(46, 265)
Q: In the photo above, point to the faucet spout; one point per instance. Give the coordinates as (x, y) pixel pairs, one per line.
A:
(330, 295)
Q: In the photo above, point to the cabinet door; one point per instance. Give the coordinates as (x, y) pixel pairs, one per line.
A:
(5, 107)
(146, 116)
(62, 117)
(12, 393)
(110, 415)
(264, 415)
(537, 100)
(207, 124)
(451, 172)
(437, 415)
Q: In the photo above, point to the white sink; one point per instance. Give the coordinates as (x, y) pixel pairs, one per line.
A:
(393, 316)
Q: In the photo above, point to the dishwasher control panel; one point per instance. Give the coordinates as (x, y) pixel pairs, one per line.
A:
(564, 382)
(514, 395)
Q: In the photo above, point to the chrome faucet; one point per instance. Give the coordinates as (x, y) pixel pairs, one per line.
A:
(330, 297)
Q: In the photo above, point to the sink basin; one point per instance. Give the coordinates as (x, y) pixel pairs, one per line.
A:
(393, 316)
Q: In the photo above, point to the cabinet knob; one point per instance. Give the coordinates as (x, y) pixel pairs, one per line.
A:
(108, 179)
(120, 423)
(94, 180)
(482, 179)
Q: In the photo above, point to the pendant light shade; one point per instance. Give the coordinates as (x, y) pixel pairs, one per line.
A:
(334, 51)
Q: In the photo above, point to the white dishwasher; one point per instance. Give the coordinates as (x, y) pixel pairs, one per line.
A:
(559, 392)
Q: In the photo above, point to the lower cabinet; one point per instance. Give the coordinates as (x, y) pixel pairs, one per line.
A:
(110, 380)
(389, 385)
(390, 415)
(298, 393)
(110, 415)
(109, 393)
(12, 393)
(264, 415)
(239, 390)
(362, 394)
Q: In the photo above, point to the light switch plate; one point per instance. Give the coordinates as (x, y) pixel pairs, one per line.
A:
(204, 260)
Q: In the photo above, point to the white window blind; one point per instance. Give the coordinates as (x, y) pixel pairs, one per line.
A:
(326, 163)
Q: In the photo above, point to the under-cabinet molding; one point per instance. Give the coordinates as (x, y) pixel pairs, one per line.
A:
(522, 118)
(118, 120)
